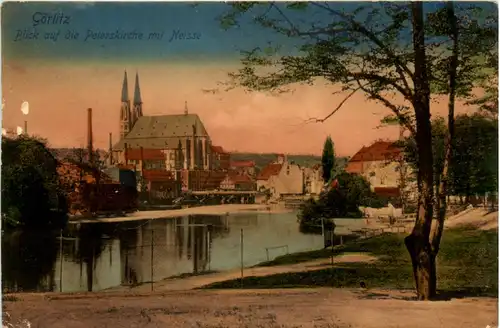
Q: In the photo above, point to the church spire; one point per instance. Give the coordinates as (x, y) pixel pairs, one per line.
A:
(125, 113)
(137, 91)
(125, 88)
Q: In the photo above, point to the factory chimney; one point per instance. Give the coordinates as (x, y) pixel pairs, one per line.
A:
(110, 149)
(126, 153)
(90, 141)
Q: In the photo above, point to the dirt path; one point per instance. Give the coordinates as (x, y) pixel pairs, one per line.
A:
(305, 308)
(199, 281)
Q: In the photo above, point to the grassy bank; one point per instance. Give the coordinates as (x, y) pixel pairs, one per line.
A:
(467, 263)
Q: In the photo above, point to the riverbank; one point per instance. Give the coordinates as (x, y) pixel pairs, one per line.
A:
(200, 210)
(205, 279)
(467, 266)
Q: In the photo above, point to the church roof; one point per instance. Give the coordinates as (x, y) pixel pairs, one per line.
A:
(162, 131)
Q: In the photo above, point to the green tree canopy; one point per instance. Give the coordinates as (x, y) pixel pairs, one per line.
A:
(473, 167)
(328, 160)
(341, 201)
(474, 163)
(31, 197)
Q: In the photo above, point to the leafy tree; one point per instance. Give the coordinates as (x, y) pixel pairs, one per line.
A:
(487, 102)
(379, 50)
(342, 201)
(328, 160)
(31, 196)
(410, 150)
(473, 166)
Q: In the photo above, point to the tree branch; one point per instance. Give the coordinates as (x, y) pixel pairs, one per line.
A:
(321, 120)
(370, 76)
(294, 29)
(400, 67)
(402, 119)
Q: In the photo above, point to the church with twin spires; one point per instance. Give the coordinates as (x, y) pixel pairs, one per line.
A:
(168, 142)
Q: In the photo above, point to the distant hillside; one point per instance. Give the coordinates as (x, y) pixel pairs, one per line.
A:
(262, 160)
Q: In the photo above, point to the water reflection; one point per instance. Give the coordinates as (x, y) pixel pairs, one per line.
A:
(28, 260)
(98, 256)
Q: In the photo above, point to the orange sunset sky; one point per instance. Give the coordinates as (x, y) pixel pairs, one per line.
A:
(60, 82)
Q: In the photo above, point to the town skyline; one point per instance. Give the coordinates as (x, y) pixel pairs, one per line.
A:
(239, 121)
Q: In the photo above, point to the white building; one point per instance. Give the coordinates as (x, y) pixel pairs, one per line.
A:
(313, 180)
(281, 177)
(380, 164)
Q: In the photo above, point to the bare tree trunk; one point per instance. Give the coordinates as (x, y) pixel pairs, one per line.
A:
(437, 232)
(417, 243)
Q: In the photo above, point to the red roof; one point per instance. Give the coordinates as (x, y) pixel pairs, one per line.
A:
(387, 191)
(269, 170)
(218, 149)
(158, 175)
(378, 151)
(239, 178)
(148, 154)
(242, 164)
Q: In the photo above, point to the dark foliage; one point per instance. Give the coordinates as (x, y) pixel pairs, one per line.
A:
(328, 160)
(31, 195)
(473, 167)
(342, 201)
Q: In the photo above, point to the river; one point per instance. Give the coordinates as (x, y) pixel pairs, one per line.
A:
(98, 256)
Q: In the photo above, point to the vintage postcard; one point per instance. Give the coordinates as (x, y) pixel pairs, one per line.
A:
(335, 164)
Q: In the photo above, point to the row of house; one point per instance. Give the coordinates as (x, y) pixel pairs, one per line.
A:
(380, 164)
(174, 153)
(283, 177)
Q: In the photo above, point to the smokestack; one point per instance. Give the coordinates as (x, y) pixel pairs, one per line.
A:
(90, 140)
(126, 154)
(26, 127)
(142, 162)
(110, 149)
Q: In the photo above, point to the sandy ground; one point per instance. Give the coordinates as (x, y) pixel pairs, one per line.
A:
(201, 210)
(478, 217)
(307, 308)
(202, 280)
